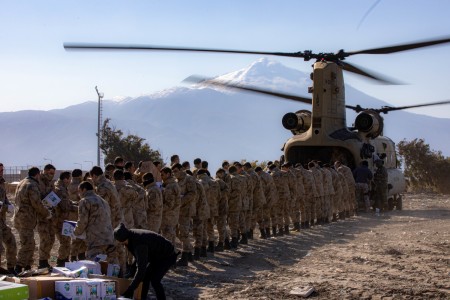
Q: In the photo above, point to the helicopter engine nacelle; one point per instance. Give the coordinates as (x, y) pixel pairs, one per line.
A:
(297, 122)
(370, 123)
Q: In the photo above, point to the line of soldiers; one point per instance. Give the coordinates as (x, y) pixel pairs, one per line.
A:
(177, 202)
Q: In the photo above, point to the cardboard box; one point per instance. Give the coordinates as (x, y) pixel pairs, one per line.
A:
(39, 286)
(13, 291)
(78, 273)
(51, 200)
(69, 227)
(93, 267)
(71, 290)
(121, 285)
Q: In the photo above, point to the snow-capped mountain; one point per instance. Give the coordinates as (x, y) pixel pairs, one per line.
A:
(195, 121)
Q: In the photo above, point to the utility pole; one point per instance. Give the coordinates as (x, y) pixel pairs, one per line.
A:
(99, 128)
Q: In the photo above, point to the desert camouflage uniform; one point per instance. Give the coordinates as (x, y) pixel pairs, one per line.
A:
(298, 205)
(247, 197)
(77, 246)
(28, 208)
(6, 236)
(271, 197)
(345, 195)
(188, 190)
(282, 185)
(139, 207)
(223, 210)
(127, 196)
(154, 200)
(290, 200)
(235, 204)
(200, 217)
(105, 189)
(351, 204)
(171, 208)
(45, 226)
(258, 200)
(62, 211)
(94, 219)
(213, 197)
(380, 178)
(337, 197)
(318, 180)
(311, 195)
(329, 194)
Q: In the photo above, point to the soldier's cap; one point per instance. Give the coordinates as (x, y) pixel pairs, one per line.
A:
(248, 165)
(286, 164)
(121, 233)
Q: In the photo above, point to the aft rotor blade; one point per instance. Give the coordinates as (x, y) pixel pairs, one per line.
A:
(84, 46)
(197, 79)
(402, 47)
(387, 109)
(358, 70)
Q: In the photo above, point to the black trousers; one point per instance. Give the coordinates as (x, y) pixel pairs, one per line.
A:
(154, 272)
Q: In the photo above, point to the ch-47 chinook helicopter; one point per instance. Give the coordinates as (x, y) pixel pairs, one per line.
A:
(322, 133)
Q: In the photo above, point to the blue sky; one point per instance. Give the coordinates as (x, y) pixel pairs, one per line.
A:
(37, 73)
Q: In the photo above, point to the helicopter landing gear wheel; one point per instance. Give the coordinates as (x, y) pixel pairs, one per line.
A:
(399, 205)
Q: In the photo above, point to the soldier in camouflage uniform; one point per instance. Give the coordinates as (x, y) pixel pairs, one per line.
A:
(336, 198)
(139, 207)
(271, 197)
(205, 181)
(154, 206)
(6, 236)
(45, 227)
(222, 209)
(94, 219)
(318, 180)
(62, 212)
(78, 246)
(282, 185)
(309, 199)
(345, 196)
(127, 196)
(247, 198)
(298, 208)
(199, 220)
(171, 205)
(109, 171)
(380, 179)
(213, 202)
(28, 208)
(350, 203)
(329, 193)
(258, 202)
(234, 205)
(188, 190)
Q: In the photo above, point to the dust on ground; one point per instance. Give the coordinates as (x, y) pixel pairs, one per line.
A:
(398, 255)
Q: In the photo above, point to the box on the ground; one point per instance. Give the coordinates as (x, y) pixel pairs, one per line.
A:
(69, 227)
(39, 286)
(78, 273)
(71, 290)
(92, 266)
(13, 291)
(51, 200)
(121, 285)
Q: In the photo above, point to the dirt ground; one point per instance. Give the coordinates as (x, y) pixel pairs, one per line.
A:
(398, 255)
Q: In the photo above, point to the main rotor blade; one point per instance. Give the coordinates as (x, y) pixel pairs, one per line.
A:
(402, 47)
(85, 46)
(387, 109)
(197, 79)
(358, 70)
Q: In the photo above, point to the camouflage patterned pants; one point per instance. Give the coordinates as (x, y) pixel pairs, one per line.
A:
(243, 220)
(64, 245)
(140, 219)
(154, 223)
(318, 206)
(295, 210)
(308, 214)
(233, 222)
(8, 239)
(210, 229)
(26, 250)
(184, 224)
(222, 227)
(46, 232)
(77, 247)
(169, 232)
(285, 212)
(327, 206)
(197, 232)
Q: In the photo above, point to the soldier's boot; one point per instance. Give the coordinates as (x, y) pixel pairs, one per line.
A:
(43, 263)
(60, 262)
(250, 234)
(286, 229)
(244, 239)
(190, 257)
(203, 252)
(183, 261)
(220, 247)
(274, 231)
(297, 226)
(81, 256)
(334, 218)
(210, 247)
(196, 253)
(12, 271)
(234, 243)
(73, 258)
(268, 233)
(227, 245)
(263, 234)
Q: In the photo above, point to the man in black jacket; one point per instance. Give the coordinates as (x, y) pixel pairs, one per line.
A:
(153, 254)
